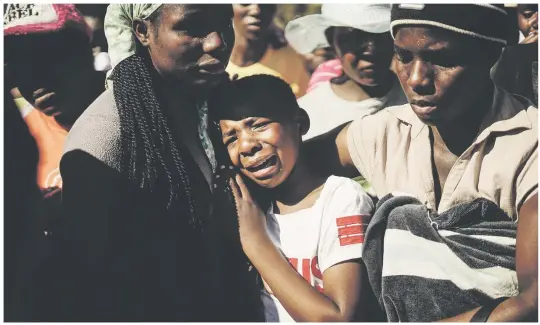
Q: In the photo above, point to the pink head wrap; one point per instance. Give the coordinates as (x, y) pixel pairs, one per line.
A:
(326, 71)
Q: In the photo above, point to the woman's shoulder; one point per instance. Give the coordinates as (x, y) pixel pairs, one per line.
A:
(97, 131)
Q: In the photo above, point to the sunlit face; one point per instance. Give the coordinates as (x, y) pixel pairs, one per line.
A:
(439, 72)
(265, 149)
(192, 43)
(528, 18)
(365, 57)
(252, 20)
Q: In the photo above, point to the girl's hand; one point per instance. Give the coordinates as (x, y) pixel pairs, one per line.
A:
(251, 219)
(531, 38)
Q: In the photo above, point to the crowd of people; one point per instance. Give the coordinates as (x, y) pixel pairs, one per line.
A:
(199, 162)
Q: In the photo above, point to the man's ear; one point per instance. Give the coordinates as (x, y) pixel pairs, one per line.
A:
(302, 119)
(141, 29)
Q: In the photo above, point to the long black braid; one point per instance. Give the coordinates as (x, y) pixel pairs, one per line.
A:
(148, 147)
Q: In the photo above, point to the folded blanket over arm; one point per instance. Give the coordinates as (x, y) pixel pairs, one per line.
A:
(425, 267)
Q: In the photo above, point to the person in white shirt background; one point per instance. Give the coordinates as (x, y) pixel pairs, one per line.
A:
(360, 36)
(314, 224)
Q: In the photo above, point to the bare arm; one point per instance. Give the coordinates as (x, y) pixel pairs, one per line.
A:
(301, 300)
(523, 307)
(342, 282)
(329, 153)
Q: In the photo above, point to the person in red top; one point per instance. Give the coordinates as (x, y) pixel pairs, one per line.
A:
(49, 64)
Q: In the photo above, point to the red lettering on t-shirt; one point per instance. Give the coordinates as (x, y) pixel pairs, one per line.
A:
(315, 268)
(310, 267)
(294, 263)
(350, 220)
(344, 241)
(351, 229)
(306, 269)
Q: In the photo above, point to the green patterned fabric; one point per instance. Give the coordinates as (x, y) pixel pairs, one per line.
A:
(365, 185)
(119, 31)
(204, 136)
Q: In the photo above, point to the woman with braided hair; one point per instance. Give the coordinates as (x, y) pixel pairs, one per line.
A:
(147, 240)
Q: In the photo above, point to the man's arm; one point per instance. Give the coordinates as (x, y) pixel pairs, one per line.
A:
(329, 154)
(524, 306)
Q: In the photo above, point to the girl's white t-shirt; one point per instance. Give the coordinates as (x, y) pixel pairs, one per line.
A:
(315, 239)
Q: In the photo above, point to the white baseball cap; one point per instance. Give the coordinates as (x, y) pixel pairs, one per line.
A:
(306, 34)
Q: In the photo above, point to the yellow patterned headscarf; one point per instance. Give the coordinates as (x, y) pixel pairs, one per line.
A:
(119, 32)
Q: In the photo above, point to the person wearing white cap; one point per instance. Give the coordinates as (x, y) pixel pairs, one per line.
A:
(359, 33)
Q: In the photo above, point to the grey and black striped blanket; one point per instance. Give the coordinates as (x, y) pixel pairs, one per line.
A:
(425, 267)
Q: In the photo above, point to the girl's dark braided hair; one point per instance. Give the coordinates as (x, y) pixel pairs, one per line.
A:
(148, 148)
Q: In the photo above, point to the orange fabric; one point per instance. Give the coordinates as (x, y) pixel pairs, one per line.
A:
(50, 138)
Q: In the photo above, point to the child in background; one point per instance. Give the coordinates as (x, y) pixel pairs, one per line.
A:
(517, 68)
(312, 228)
(359, 33)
